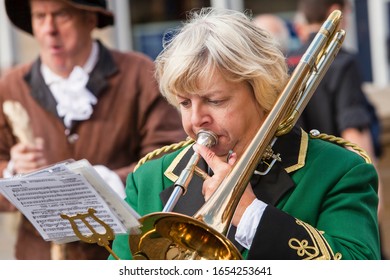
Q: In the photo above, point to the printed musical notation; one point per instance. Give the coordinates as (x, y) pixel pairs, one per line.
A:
(68, 188)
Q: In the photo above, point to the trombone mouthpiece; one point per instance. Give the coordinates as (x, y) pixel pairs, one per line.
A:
(206, 138)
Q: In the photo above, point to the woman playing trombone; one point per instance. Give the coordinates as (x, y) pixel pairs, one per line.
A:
(317, 201)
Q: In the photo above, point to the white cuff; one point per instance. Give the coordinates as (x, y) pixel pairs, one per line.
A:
(112, 179)
(249, 223)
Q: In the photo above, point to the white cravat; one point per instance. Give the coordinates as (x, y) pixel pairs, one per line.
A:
(74, 100)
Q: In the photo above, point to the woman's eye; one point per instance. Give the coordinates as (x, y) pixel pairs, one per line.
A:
(185, 103)
(214, 102)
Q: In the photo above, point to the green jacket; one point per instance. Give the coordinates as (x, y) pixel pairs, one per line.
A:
(322, 201)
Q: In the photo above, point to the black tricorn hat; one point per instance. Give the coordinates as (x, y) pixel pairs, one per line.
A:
(19, 12)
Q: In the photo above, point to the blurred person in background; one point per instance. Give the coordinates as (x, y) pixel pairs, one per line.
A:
(83, 100)
(277, 27)
(339, 106)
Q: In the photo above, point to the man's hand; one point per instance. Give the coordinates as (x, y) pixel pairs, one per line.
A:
(5, 205)
(28, 157)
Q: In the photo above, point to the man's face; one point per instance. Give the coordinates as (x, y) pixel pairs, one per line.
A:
(63, 33)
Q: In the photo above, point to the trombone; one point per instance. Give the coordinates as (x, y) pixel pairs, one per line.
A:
(168, 235)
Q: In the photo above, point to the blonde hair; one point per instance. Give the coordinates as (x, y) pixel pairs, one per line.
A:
(226, 41)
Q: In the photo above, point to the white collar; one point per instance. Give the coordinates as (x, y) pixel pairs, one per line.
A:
(50, 77)
(92, 59)
(74, 100)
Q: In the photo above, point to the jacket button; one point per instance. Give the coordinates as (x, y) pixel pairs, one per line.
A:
(73, 138)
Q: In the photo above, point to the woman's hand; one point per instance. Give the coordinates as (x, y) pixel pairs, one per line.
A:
(221, 168)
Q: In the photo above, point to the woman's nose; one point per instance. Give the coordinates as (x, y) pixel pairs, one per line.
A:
(200, 116)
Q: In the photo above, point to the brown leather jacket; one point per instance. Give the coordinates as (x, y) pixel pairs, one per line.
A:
(130, 119)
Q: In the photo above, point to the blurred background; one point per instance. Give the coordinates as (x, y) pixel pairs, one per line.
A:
(141, 24)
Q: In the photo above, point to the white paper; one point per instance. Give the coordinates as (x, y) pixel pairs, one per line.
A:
(44, 195)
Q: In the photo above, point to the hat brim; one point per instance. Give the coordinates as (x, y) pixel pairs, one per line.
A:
(19, 13)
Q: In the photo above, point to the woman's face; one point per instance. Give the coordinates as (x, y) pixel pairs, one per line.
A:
(228, 109)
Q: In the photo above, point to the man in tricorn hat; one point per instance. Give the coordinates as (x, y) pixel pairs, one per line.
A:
(83, 101)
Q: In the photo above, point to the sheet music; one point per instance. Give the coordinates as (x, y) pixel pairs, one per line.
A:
(44, 195)
(124, 212)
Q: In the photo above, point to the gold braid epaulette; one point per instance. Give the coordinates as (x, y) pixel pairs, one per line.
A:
(165, 149)
(342, 142)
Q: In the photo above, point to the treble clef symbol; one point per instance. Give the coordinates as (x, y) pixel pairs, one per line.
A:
(102, 239)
